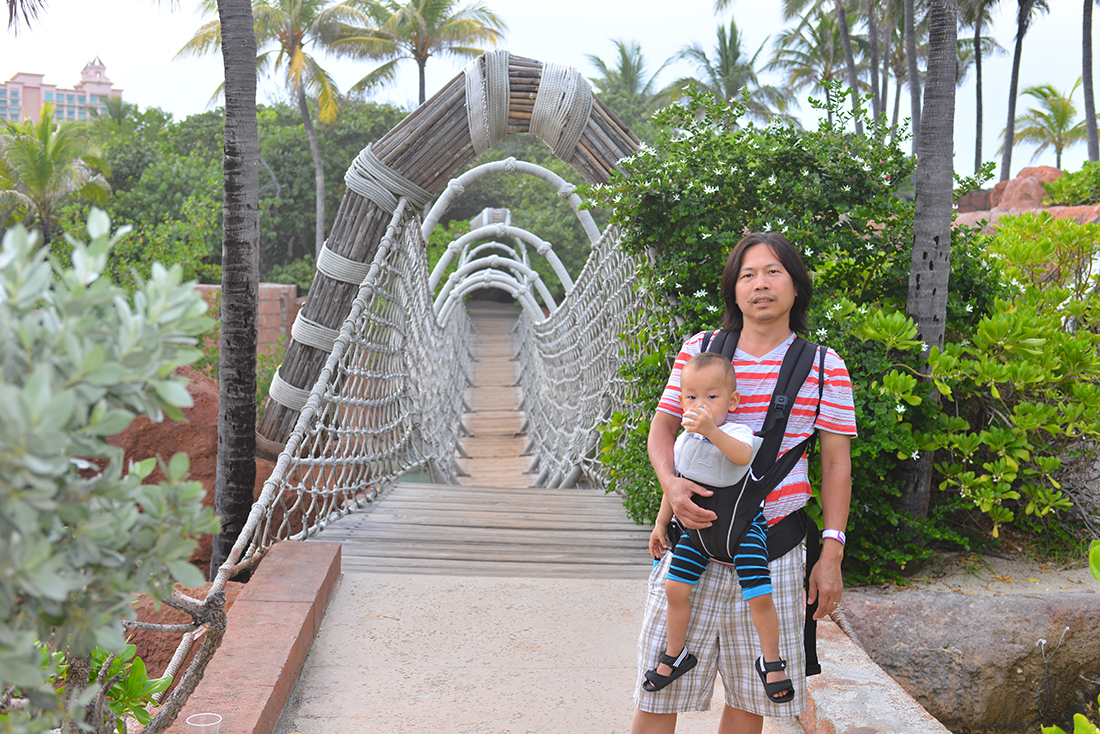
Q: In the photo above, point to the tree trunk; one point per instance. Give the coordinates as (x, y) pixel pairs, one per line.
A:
(1013, 84)
(914, 72)
(1086, 81)
(978, 93)
(884, 90)
(853, 76)
(872, 33)
(930, 271)
(236, 477)
(318, 172)
(423, 84)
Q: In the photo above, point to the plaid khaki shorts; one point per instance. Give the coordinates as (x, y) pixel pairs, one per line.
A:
(722, 636)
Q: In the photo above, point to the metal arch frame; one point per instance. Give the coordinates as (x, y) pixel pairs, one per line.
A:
(543, 247)
(493, 279)
(510, 165)
(495, 262)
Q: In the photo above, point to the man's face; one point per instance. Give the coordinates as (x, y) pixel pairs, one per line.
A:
(765, 291)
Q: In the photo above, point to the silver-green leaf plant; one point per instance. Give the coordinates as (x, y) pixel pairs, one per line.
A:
(80, 533)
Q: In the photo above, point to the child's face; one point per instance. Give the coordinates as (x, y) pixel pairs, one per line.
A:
(708, 387)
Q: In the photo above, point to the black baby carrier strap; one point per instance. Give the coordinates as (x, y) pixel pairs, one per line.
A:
(768, 470)
(739, 505)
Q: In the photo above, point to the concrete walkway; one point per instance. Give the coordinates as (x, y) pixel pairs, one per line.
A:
(416, 654)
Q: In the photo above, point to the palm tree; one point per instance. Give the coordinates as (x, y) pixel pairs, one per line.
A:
(236, 471)
(1052, 123)
(1086, 75)
(292, 27)
(976, 13)
(28, 9)
(1025, 11)
(808, 8)
(913, 75)
(928, 276)
(729, 72)
(625, 87)
(417, 30)
(810, 56)
(43, 166)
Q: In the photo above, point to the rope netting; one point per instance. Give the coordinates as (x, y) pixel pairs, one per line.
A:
(570, 367)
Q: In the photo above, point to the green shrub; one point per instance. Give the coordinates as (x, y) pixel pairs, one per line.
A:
(80, 533)
(299, 272)
(1075, 189)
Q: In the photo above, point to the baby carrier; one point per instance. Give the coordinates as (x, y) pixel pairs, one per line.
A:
(737, 506)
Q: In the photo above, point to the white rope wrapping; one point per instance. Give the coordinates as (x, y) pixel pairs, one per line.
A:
(313, 334)
(370, 178)
(341, 268)
(487, 89)
(285, 394)
(562, 107)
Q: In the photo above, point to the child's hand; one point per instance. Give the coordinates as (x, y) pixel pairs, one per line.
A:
(698, 420)
(657, 541)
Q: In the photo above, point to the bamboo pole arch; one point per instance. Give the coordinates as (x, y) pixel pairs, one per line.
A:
(497, 94)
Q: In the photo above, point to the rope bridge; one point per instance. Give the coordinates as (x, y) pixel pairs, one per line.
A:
(388, 396)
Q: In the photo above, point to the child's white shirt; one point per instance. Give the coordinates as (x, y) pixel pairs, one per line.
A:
(699, 460)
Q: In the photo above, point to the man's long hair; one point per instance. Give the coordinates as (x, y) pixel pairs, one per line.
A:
(792, 263)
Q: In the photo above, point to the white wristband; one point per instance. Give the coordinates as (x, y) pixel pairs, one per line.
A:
(834, 534)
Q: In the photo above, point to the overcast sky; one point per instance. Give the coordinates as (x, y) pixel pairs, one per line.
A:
(138, 39)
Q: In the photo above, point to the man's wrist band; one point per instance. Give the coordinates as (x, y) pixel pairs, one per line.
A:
(837, 535)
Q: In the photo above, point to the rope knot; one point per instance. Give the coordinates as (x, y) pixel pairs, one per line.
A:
(456, 186)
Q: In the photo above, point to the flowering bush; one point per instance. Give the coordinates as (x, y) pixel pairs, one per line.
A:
(844, 200)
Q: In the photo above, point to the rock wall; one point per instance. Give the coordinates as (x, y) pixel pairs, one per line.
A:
(976, 663)
(1025, 193)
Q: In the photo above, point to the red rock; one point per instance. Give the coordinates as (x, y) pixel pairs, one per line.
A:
(996, 193)
(1045, 173)
(1079, 214)
(1022, 193)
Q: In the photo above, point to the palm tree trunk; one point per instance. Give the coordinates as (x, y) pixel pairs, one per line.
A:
(928, 276)
(897, 108)
(318, 172)
(1086, 81)
(236, 477)
(1013, 85)
(886, 48)
(423, 86)
(872, 33)
(914, 73)
(978, 92)
(853, 76)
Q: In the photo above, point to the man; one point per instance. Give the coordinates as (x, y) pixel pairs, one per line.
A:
(766, 290)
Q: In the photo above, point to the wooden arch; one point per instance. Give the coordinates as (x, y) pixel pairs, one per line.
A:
(495, 95)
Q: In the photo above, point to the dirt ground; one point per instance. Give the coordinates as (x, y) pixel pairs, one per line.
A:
(996, 575)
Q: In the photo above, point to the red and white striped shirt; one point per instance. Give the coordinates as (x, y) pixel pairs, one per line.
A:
(756, 378)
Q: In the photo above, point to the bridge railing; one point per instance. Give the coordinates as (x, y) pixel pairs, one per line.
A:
(571, 365)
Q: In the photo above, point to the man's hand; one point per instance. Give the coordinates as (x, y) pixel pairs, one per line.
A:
(680, 492)
(826, 582)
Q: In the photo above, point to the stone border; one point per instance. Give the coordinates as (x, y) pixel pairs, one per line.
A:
(271, 629)
(853, 695)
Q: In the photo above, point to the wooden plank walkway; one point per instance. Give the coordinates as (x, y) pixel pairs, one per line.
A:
(494, 523)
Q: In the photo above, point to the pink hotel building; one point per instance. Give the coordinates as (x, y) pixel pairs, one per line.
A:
(22, 97)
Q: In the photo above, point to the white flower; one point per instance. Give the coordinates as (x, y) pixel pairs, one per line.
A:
(915, 455)
(700, 293)
(710, 189)
(704, 235)
(809, 252)
(969, 308)
(712, 308)
(821, 333)
(899, 408)
(923, 347)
